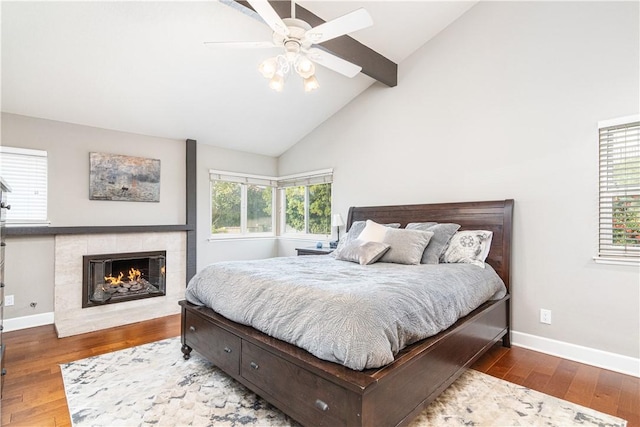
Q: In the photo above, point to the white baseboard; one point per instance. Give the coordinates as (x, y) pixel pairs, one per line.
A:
(590, 356)
(27, 322)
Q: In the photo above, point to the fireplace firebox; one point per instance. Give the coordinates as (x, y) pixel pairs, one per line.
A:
(112, 278)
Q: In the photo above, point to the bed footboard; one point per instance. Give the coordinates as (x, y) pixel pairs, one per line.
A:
(326, 393)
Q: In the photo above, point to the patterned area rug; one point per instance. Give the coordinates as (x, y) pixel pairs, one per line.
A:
(152, 385)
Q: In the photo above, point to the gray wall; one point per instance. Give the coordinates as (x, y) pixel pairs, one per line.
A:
(29, 260)
(505, 104)
(68, 148)
(209, 251)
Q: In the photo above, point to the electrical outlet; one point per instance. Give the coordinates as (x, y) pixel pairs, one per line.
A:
(545, 316)
(8, 300)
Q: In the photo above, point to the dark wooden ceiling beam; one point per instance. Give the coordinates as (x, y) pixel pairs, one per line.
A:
(373, 64)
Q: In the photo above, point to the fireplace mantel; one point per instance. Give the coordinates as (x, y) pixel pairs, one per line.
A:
(52, 231)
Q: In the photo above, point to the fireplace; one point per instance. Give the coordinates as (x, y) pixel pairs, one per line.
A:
(113, 278)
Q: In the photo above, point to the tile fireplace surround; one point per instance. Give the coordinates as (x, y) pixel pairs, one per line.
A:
(69, 316)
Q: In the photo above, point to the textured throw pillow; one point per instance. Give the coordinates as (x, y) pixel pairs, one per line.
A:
(406, 246)
(362, 252)
(469, 247)
(442, 233)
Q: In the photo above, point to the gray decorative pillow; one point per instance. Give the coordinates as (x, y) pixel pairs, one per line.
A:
(469, 247)
(442, 233)
(362, 252)
(354, 232)
(407, 246)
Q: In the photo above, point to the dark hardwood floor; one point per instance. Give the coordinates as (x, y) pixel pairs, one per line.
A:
(33, 392)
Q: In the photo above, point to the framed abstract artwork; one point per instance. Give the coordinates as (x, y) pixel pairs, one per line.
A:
(123, 178)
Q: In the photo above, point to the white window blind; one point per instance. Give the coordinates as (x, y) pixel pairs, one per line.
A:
(25, 171)
(242, 178)
(324, 176)
(619, 203)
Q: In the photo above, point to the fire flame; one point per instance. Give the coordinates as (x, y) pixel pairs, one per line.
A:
(133, 276)
(114, 281)
(162, 270)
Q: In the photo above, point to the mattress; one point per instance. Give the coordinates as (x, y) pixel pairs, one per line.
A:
(358, 316)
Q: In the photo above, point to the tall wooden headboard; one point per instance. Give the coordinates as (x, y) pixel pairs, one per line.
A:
(496, 216)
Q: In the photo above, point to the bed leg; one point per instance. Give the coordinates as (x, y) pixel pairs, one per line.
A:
(186, 351)
(506, 340)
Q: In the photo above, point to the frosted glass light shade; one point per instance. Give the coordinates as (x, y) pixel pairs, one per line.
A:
(277, 82)
(268, 67)
(311, 84)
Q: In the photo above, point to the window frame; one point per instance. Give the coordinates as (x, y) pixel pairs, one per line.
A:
(283, 216)
(608, 251)
(278, 184)
(243, 234)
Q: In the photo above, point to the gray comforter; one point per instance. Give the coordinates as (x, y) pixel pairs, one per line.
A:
(355, 315)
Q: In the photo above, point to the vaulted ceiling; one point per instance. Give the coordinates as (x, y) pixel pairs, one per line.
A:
(142, 67)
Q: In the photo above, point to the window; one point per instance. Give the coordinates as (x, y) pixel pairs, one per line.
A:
(307, 209)
(245, 205)
(241, 205)
(619, 203)
(25, 171)
(306, 203)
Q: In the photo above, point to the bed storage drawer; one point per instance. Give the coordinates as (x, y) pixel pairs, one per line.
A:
(316, 401)
(222, 348)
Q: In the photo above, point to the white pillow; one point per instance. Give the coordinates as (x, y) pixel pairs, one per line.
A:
(373, 232)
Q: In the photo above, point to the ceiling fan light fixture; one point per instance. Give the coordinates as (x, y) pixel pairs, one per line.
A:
(298, 38)
(311, 83)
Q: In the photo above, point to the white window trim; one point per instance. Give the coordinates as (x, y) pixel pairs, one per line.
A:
(610, 259)
(283, 221)
(277, 183)
(244, 234)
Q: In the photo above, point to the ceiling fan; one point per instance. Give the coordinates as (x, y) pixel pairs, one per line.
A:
(298, 41)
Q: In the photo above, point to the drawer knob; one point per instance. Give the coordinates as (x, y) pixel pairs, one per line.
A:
(192, 328)
(227, 350)
(254, 365)
(3, 205)
(321, 405)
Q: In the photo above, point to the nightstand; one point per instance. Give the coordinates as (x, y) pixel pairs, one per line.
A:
(312, 250)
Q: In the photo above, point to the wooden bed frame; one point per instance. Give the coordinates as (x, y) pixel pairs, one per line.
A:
(317, 392)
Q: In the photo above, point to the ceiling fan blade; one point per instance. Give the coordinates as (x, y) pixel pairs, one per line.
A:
(352, 21)
(236, 45)
(270, 16)
(333, 62)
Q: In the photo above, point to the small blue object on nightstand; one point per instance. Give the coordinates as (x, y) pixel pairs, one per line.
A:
(319, 245)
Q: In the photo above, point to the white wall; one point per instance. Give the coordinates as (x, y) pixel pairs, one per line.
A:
(505, 104)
